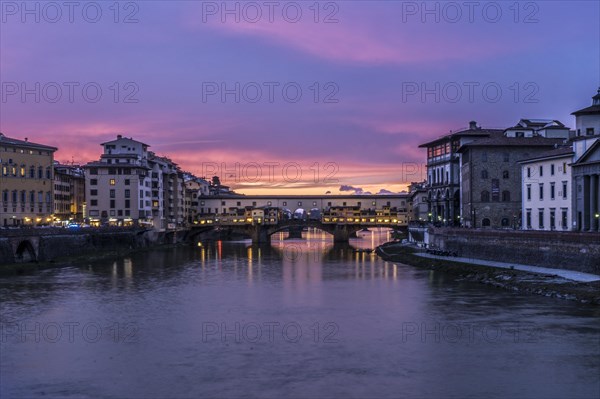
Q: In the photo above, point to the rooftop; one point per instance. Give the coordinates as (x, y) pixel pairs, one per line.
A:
(560, 152)
(473, 130)
(25, 143)
(503, 141)
(594, 109)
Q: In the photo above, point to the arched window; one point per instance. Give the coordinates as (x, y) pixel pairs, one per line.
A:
(484, 174)
(485, 196)
(48, 173)
(505, 196)
(40, 173)
(505, 222)
(32, 172)
(485, 222)
(505, 174)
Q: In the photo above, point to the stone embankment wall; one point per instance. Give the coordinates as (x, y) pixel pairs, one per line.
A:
(50, 244)
(564, 250)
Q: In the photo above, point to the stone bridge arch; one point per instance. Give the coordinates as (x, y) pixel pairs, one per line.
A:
(26, 250)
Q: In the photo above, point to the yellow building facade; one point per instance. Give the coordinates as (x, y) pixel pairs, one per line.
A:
(26, 182)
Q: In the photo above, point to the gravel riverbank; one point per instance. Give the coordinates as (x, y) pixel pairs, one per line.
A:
(513, 280)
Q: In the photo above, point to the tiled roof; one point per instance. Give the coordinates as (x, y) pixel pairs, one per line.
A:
(554, 153)
(503, 141)
(467, 132)
(592, 109)
(23, 143)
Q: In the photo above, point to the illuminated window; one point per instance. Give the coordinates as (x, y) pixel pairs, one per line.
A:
(112, 182)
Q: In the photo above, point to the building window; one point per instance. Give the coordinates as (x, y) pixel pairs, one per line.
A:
(552, 191)
(32, 172)
(541, 191)
(127, 193)
(528, 171)
(520, 134)
(564, 167)
(541, 170)
(506, 196)
(564, 190)
(484, 174)
(506, 157)
(528, 218)
(113, 182)
(589, 131)
(552, 219)
(40, 172)
(551, 169)
(127, 203)
(485, 196)
(529, 192)
(94, 202)
(127, 182)
(485, 222)
(495, 190)
(505, 174)
(93, 182)
(112, 203)
(93, 171)
(269, 203)
(112, 193)
(484, 157)
(563, 218)
(505, 222)
(93, 192)
(284, 203)
(541, 218)
(239, 203)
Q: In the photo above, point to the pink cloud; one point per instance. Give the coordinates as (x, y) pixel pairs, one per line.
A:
(359, 38)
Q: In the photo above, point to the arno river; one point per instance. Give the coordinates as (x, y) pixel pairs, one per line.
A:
(299, 319)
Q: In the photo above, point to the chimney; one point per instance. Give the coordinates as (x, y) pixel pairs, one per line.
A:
(472, 125)
(26, 139)
(119, 137)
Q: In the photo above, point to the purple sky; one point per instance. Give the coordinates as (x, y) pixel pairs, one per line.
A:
(369, 57)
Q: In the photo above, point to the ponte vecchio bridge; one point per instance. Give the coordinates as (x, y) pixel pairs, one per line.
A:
(260, 216)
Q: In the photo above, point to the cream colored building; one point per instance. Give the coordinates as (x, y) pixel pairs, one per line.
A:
(546, 184)
(118, 186)
(130, 185)
(25, 182)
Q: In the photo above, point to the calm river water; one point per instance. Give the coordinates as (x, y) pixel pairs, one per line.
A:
(298, 319)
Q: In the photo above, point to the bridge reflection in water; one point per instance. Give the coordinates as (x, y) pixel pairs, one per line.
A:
(300, 262)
